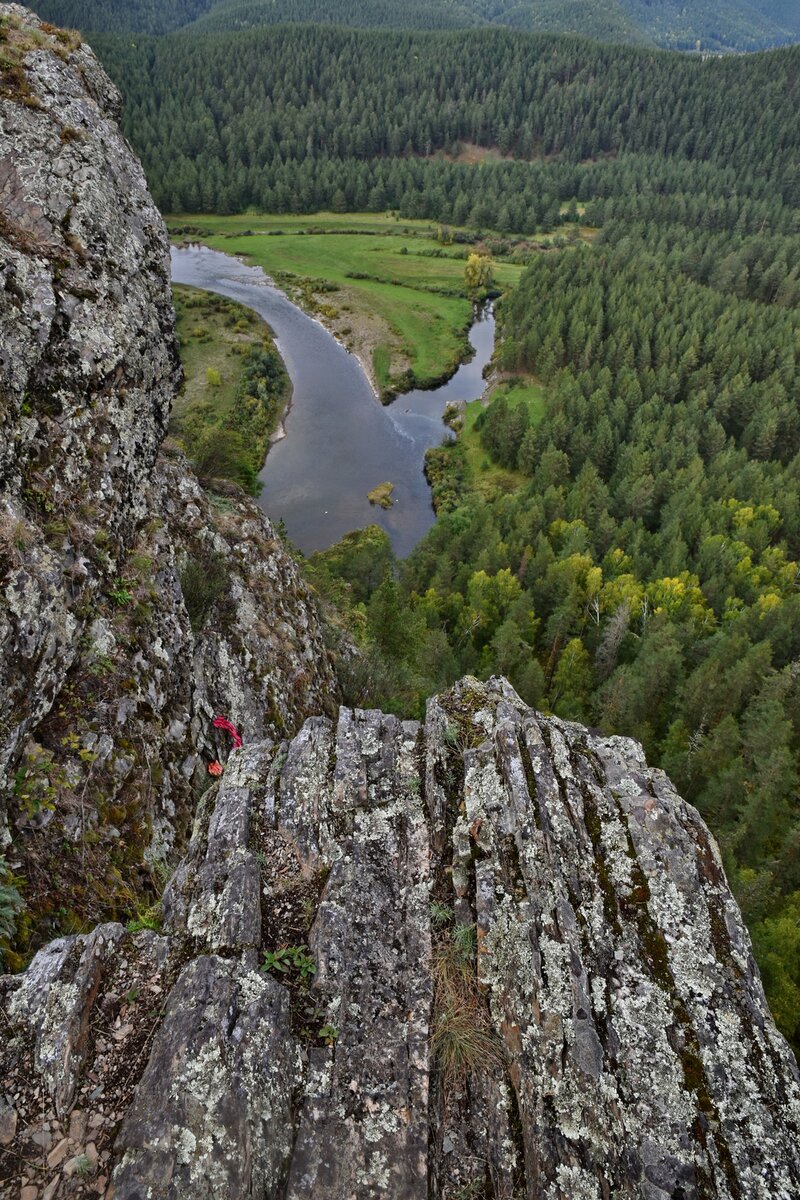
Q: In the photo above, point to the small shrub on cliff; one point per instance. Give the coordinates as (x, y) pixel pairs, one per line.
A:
(16, 536)
(11, 903)
(220, 453)
(203, 580)
(290, 958)
(38, 780)
(146, 918)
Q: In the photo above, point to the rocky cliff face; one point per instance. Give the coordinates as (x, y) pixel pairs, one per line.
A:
(515, 970)
(133, 608)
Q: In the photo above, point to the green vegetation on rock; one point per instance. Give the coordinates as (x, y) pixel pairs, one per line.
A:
(382, 495)
(11, 904)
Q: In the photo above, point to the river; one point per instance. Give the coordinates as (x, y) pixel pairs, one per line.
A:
(340, 441)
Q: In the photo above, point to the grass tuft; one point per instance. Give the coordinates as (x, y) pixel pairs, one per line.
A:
(462, 1039)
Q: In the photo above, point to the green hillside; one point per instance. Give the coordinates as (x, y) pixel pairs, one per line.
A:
(303, 119)
(602, 19)
(713, 25)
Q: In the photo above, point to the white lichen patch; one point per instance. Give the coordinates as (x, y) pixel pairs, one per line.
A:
(375, 1172)
(575, 1183)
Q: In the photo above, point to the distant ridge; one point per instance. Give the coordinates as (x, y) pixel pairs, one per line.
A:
(712, 26)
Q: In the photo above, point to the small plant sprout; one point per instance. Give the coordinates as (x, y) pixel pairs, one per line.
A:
(82, 1165)
(121, 593)
(465, 942)
(329, 1034)
(146, 918)
(290, 958)
(441, 914)
(11, 903)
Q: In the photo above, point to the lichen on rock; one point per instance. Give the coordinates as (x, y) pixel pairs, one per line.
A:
(133, 606)
(533, 884)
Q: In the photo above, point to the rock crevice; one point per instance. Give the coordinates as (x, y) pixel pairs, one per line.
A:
(528, 978)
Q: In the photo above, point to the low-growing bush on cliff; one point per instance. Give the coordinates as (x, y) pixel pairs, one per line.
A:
(219, 453)
(204, 578)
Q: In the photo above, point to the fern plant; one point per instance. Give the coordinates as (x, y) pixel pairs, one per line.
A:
(11, 903)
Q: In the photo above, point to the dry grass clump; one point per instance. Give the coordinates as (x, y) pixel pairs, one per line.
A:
(462, 1041)
(16, 535)
(16, 40)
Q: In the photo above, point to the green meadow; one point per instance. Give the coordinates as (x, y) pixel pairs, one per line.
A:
(388, 288)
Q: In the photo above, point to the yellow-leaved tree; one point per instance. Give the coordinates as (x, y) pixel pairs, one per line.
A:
(478, 274)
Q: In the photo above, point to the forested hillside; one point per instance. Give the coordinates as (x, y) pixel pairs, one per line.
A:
(606, 20)
(717, 27)
(300, 119)
(645, 579)
(710, 25)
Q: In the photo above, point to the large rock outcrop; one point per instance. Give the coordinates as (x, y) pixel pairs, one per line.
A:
(133, 607)
(502, 961)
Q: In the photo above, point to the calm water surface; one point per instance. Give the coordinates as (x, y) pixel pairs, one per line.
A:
(340, 441)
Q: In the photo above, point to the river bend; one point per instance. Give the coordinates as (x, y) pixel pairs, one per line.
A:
(340, 441)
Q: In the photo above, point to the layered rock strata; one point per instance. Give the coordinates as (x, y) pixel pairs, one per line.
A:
(502, 960)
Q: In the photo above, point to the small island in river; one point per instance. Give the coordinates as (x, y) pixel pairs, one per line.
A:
(382, 494)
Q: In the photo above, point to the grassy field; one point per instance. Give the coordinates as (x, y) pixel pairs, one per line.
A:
(210, 341)
(222, 429)
(463, 468)
(484, 476)
(386, 287)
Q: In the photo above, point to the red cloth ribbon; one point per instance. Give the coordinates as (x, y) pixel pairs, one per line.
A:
(224, 723)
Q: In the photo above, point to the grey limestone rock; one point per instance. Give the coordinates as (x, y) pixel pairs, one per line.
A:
(222, 1127)
(114, 659)
(530, 980)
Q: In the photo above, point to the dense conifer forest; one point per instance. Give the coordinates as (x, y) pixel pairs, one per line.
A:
(645, 577)
(640, 572)
(715, 26)
(298, 119)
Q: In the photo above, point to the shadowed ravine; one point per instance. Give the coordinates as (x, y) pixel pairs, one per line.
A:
(340, 442)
